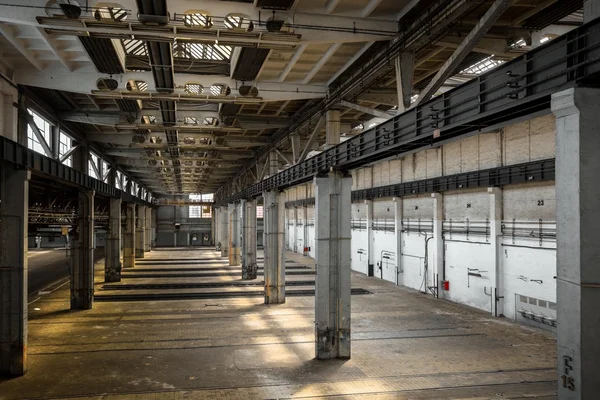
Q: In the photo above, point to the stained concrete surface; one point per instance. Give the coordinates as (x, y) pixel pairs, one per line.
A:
(405, 345)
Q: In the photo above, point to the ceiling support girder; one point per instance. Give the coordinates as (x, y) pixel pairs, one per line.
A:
(404, 65)
(485, 23)
(371, 111)
(313, 136)
(84, 81)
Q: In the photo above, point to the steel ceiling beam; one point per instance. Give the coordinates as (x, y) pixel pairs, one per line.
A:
(366, 110)
(492, 14)
(85, 81)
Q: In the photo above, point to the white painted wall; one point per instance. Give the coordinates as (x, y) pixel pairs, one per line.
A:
(527, 266)
(359, 257)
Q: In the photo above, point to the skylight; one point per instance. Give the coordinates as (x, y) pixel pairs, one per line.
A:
(201, 51)
(135, 47)
(111, 13)
(482, 66)
(197, 20)
(194, 88)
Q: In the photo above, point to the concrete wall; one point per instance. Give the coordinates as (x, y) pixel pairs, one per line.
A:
(168, 236)
(189, 228)
(527, 264)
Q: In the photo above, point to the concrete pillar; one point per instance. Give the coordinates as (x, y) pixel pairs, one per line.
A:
(82, 251)
(22, 125)
(217, 227)
(305, 243)
(273, 163)
(129, 237)
(296, 147)
(274, 246)
(296, 241)
(577, 230)
(332, 130)
(370, 256)
(404, 64)
(224, 232)
(212, 226)
(14, 206)
(112, 260)
(332, 303)
(249, 266)
(81, 159)
(591, 10)
(9, 114)
(140, 232)
(153, 231)
(398, 211)
(234, 234)
(148, 230)
(437, 245)
(497, 289)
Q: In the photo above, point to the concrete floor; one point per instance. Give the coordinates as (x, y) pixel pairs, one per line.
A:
(48, 268)
(405, 344)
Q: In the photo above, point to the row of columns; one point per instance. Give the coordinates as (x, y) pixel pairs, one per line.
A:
(236, 234)
(14, 205)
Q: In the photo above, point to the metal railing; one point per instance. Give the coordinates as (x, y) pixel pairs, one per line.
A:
(516, 89)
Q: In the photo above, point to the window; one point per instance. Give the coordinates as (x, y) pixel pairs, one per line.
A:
(134, 47)
(32, 141)
(194, 88)
(482, 66)
(119, 180)
(195, 211)
(93, 166)
(104, 171)
(111, 13)
(260, 212)
(64, 144)
(201, 211)
(201, 51)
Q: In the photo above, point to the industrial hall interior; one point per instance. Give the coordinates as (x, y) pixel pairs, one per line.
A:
(299, 199)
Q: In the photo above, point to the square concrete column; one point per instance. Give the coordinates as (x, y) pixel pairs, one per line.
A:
(369, 245)
(249, 266)
(82, 251)
(234, 234)
(305, 243)
(332, 302)
(216, 226)
(129, 237)
(224, 231)
(274, 247)
(148, 230)
(112, 260)
(438, 246)
(213, 225)
(332, 128)
(577, 233)
(14, 206)
(153, 231)
(497, 291)
(140, 232)
(398, 213)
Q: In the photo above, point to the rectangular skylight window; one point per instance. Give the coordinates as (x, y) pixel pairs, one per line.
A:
(482, 66)
(201, 51)
(135, 47)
